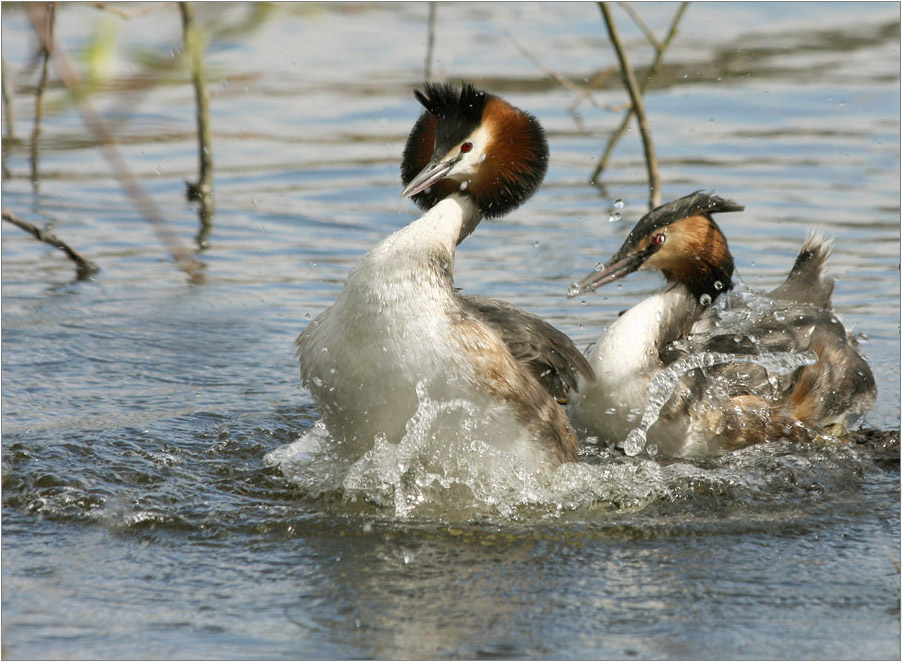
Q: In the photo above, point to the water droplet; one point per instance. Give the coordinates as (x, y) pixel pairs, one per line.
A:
(573, 290)
(618, 204)
(464, 184)
(634, 442)
(614, 217)
(779, 315)
(306, 316)
(536, 245)
(705, 299)
(159, 170)
(599, 266)
(718, 285)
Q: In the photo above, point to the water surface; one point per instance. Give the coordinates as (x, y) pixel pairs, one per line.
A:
(140, 519)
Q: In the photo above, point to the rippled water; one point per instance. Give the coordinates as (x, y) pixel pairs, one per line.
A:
(164, 490)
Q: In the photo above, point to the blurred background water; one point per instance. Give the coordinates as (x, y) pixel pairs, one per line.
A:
(139, 519)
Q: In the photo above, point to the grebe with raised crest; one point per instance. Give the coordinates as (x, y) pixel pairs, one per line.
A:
(400, 333)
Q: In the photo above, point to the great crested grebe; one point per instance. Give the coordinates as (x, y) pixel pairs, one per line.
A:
(740, 374)
(399, 332)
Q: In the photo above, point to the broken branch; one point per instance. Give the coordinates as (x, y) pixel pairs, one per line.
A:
(84, 266)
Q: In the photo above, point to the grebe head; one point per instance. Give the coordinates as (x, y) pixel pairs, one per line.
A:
(473, 143)
(681, 240)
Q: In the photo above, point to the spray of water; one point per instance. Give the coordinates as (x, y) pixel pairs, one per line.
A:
(664, 385)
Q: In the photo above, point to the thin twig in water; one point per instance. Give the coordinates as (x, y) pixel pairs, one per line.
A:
(45, 29)
(7, 99)
(84, 266)
(596, 82)
(573, 87)
(146, 206)
(653, 71)
(430, 41)
(203, 189)
(629, 79)
(649, 35)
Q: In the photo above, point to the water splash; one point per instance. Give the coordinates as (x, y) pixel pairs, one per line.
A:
(665, 383)
(443, 467)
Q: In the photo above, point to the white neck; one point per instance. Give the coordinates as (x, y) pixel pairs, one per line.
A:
(633, 341)
(437, 229)
(627, 357)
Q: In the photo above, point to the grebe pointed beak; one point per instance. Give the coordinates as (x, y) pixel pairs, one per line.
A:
(435, 171)
(616, 269)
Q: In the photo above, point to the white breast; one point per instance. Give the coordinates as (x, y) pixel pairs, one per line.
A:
(389, 342)
(625, 359)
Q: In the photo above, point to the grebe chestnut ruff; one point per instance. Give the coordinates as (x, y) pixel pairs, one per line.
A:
(399, 333)
(738, 374)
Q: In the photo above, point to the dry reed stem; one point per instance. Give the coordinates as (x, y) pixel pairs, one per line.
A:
(660, 49)
(629, 79)
(203, 189)
(145, 205)
(45, 30)
(7, 99)
(430, 41)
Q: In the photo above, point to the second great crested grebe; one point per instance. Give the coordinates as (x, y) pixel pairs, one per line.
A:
(783, 369)
(400, 333)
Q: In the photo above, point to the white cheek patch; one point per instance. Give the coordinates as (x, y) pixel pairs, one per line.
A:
(475, 157)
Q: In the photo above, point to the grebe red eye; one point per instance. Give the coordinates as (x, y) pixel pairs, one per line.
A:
(658, 239)
(466, 147)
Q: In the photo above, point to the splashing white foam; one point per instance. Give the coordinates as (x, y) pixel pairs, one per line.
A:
(666, 382)
(444, 467)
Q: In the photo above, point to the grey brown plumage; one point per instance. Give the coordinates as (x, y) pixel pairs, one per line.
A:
(549, 354)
